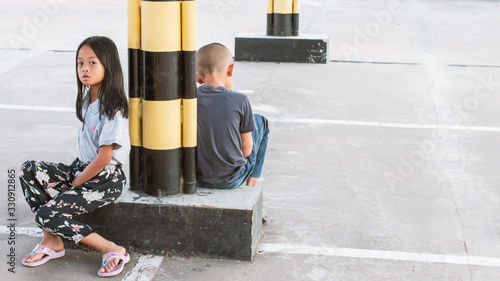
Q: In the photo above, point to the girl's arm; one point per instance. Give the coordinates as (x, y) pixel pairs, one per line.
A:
(100, 161)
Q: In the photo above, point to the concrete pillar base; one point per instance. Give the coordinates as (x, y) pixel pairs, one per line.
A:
(212, 223)
(301, 49)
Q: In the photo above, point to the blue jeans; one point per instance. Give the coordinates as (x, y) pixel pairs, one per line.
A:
(255, 160)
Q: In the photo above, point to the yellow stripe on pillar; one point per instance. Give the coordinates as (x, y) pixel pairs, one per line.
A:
(161, 124)
(134, 24)
(270, 6)
(188, 25)
(161, 26)
(135, 121)
(283, 6)
(189, 125)
(296, 7)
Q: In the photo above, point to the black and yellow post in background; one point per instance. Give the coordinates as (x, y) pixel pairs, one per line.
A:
(168, 104)
(282, 42)
(283, 17)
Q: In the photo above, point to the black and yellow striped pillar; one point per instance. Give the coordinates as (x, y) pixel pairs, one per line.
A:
(281, 42)
(189, 99)
(165, 80)
(135, 93)
(283, 17)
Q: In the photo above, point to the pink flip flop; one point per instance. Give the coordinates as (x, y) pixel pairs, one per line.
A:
(48, 252)
(109, 256)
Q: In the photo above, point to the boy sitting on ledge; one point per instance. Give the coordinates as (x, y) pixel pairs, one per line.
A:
(232, 141)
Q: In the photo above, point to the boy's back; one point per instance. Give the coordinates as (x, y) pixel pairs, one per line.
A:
(232, 141)
(223, 115)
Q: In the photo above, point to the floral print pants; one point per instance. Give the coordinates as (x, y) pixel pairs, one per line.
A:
(55, 214)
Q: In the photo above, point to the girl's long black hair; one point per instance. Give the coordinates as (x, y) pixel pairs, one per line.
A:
(112, 97)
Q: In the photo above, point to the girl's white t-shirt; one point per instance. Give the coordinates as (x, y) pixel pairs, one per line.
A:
(99, 130)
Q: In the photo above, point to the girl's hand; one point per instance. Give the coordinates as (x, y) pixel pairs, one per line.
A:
(76, 176)
(100, 161)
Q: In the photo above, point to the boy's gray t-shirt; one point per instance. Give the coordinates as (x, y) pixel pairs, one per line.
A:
(223, 115)
(100, 130)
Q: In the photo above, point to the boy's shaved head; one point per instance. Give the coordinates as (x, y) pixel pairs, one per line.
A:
(213, 58)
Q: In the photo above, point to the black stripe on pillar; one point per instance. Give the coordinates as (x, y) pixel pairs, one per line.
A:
(283, 24)
(162, 176)
(161, 75)
(136, 168)
(295, 24)
(189, 74)
(270, 24)
(135, 73)
(189, 169)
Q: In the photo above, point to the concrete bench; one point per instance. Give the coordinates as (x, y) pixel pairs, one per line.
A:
(301, 49)
(212, 223)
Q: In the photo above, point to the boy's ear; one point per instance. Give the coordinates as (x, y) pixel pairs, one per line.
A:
(198, 79)
(230, 70)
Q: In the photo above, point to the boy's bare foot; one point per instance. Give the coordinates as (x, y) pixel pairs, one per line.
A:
(112, 264)
(50, 241)
(252, 181)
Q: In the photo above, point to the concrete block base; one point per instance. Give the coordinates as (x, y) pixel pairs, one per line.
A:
(302, 48)
(212, 223)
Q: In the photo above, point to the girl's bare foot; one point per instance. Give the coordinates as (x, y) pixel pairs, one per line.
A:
(49, 240)
(104, 246)
(112, 264)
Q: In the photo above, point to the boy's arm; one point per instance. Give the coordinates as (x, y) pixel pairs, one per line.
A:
(100, 161)
(246, 144)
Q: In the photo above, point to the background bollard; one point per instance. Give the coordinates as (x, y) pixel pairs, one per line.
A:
(282, 42)
(135, 93)
(189, 101)
(283, 17)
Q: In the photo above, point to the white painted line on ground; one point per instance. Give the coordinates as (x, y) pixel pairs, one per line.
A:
(16, 57)
(246, 92)
(385, 124)
(35, 107)
(145, 269)
(376, 254)
(311, 3)
(148, 265)
(304, 120)
(28, 231)
(319, 20)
